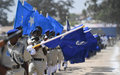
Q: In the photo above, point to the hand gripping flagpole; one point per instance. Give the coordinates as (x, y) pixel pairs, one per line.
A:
(62, 35)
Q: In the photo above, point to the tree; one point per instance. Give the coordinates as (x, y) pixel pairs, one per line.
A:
(107, 11)
(84, 13)
(58, 8)
(4, 8)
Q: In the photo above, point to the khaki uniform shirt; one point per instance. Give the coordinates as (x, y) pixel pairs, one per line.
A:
(60, 56)
(54, 60)
(49, 58)
(5, 60)
(19, 53)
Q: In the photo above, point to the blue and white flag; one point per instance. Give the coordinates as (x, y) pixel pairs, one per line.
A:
(44, 23)
(37, 19)
(92, 42)
(58, 28)
(54, 43)
(74, 46)
(68, 25)
(24, 11)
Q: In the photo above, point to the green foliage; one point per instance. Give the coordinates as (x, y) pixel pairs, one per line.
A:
(108, 11)
(73, 19)
(4, 6)
(58, 8)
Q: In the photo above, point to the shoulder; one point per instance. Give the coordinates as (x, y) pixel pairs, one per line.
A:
(20, 44)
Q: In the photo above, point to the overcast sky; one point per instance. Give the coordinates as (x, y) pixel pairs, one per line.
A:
(78, 7)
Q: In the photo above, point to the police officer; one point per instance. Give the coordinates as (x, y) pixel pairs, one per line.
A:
(60, 58)
(4, 64)
(51, 55)
(23, 39)
(40, 55)
(18, 54)
(54, 55)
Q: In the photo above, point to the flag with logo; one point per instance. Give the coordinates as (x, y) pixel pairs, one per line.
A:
(73, 46)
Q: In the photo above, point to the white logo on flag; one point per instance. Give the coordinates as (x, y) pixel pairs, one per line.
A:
(80, 43)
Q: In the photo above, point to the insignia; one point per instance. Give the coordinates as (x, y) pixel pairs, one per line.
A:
(80, 43)
(31, 21)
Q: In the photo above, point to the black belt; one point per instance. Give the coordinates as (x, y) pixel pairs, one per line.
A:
(16, 66)
(38, 59)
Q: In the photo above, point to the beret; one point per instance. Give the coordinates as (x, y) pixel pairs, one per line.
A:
(12, 31)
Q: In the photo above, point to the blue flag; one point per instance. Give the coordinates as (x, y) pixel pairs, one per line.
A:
(74, 46)
(39, 20)
(43, 22)
(58, 28)
(92, 42)
(54, 43)
(68, 25)
(22, 14)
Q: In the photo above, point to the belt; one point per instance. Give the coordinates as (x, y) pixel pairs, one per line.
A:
(38, 59)
(16, 66)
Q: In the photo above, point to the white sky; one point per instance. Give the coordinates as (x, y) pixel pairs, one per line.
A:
(78, 7)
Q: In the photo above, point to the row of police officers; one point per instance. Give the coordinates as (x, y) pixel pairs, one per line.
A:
(19, 57)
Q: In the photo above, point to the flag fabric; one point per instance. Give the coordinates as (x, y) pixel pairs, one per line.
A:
(22, 14)
(54, 43)
(37, 19)
(43, 22)
(31, 21)
(92, 42)
(73, 45)
(68, 25)
(58, 28)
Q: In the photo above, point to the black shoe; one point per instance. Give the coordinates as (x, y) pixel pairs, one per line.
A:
(64, 68)
(59, 69)
(52, 74)
(46, 71)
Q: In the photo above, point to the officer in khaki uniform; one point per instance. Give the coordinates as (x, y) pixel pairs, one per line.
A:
(4, 61)
(39, 62)
(60, 58)
(55, 58)
(38, 65)
(18, 55)
(49, 61)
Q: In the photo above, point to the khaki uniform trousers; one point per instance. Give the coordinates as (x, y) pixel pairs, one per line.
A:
(37, 67)
(19, 71)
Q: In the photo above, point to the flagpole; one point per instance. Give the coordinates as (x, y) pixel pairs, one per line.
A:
(23, 2)
(41, 12)
(47, 15)
(62, 35)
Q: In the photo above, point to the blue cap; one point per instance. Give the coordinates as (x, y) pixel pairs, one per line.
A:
(36, 29)
(12, 31)
(86, 28)
(95, 35)
(47, 30)
(52, 30)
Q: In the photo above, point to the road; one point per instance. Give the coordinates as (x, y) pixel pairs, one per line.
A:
(107, 62)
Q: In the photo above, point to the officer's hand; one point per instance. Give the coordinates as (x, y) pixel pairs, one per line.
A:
(38, 47)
